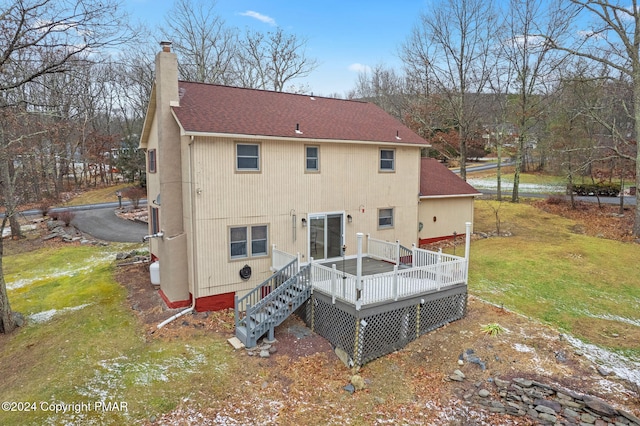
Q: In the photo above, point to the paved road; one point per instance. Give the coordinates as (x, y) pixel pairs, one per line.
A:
(102, 223)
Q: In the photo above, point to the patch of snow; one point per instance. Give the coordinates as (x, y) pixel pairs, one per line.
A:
(623, 366)
(523, 348)
(25, 228)
(615, 318)
(508, 186)
(42, 317)
(88, 266)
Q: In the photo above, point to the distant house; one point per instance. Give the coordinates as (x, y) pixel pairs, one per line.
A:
(233, 172)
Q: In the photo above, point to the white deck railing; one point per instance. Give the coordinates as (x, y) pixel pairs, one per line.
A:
(335, 283)
(388, 286)
(383, 250)
(429, 271)
(280, 259)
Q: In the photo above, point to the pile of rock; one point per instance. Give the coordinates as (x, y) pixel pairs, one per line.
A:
(263, 349)
(550, 405)
(66, 234)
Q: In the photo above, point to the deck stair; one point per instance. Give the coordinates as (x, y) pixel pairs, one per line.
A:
(270, 303)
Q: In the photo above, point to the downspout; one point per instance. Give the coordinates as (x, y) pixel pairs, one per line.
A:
(193, 281)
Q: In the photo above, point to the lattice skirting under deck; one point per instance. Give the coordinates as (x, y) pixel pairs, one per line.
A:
(380, 329)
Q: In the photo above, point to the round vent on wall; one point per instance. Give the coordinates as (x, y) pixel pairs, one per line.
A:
(245, 272)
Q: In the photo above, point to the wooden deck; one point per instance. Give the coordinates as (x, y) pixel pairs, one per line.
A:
(370, 266)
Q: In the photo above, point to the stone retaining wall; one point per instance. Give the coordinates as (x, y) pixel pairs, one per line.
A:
(551, 405)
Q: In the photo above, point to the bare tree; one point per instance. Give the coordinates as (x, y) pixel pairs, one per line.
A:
(535, 66)
(384, 87)
(202, 40)
(449, 50)
(39, 38)
(272, 60)
(612, 39)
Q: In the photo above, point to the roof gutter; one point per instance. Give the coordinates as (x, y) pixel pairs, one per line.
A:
(422, 197)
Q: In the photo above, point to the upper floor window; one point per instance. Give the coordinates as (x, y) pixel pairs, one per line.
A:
(248, 157)
(385, 218)
(312, 161)
(387, 160)
(248, 241)
(152, 160)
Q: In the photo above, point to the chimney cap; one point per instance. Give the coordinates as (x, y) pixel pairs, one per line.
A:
(166, 46)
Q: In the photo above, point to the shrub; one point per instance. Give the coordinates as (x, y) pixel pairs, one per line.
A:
(554, 200)
(66, 216)
(135, 194)
(602, 189)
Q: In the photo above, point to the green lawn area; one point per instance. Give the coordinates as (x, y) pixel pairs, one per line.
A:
(583, 285)
(83, 344)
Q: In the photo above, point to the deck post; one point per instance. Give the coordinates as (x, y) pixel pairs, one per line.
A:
(273, 257)
(439, 269)
(413, 255)
(395, 282)
(397, 252)
(298, 262)
(467, 245)
(359, 237)
(333, 283)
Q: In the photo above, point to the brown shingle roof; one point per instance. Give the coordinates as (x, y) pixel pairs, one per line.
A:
(210, 108)
(438, 181)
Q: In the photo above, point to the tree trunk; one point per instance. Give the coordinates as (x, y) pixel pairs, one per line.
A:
(499, 170)
(7, 323)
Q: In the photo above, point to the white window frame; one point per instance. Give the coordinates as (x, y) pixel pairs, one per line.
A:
(390, 217)
(391, 161)
(249, 241)
(257, 158)
(307, 158)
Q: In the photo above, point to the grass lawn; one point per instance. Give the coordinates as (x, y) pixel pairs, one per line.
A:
(83, 344)
(99, 195)
(583, 285)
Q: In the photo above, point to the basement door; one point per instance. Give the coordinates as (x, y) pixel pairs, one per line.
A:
(325, 235)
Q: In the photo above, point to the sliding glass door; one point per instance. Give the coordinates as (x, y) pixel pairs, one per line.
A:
(325, 235)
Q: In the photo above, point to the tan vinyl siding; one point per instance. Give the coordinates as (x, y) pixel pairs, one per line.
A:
(348, 179)
(451, 215)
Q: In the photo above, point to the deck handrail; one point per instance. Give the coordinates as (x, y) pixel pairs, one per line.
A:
(340, 285)
(280, 259)
(244, 303)
(272, 318)
(422, 257)
(383, 250)
(388, 286)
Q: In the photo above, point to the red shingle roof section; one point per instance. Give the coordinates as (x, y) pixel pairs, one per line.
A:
(437, 180)
(210, 108)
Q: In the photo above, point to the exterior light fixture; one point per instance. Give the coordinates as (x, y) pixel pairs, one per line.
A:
(304, 222)
(349, 218)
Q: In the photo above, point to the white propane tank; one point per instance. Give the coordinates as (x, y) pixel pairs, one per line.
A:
(154, 272)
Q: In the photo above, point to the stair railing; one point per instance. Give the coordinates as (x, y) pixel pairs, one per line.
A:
(243, 304)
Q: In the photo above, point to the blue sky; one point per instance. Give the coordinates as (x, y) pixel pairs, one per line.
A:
(343, 36)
